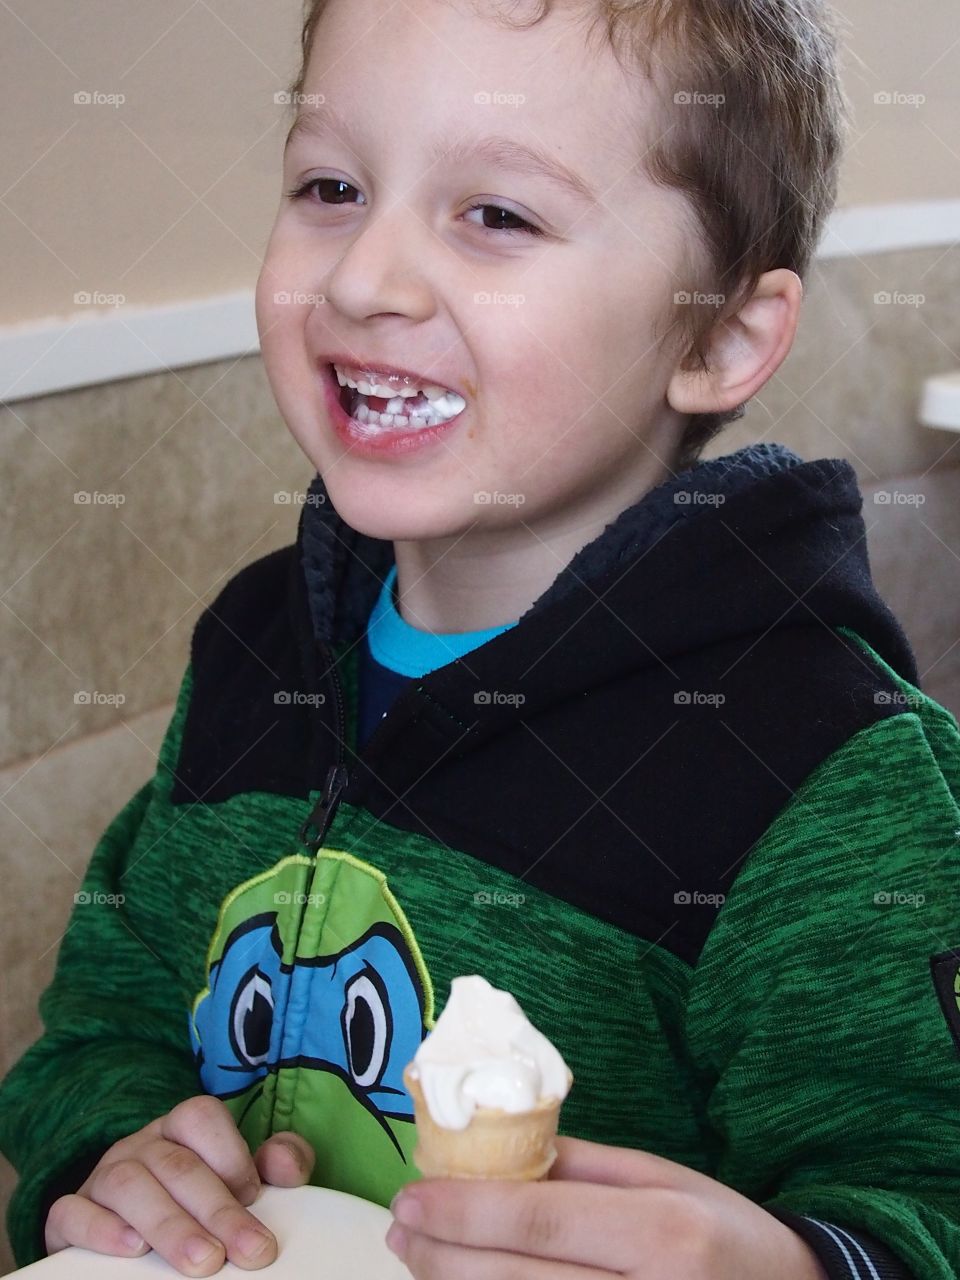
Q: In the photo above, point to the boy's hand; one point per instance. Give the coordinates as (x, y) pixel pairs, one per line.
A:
(180, 1184)
(604, 1211)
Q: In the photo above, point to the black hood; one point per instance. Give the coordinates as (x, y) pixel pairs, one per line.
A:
(732, 548)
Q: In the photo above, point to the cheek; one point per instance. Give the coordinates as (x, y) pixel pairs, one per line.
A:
(541, 427)
(281, 278)
(282, 347)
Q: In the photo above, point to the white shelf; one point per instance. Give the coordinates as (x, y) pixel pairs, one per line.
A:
(940, 402)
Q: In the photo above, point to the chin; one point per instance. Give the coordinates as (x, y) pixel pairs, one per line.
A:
(394, 510)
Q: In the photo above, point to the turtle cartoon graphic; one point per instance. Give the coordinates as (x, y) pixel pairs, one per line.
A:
(317, 996)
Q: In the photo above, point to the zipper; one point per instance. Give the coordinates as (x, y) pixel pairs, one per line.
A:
(318, 822)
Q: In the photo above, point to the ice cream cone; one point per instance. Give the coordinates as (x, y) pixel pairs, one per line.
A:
(495, 1144)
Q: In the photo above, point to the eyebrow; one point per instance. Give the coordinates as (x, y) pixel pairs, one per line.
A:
(507, 153)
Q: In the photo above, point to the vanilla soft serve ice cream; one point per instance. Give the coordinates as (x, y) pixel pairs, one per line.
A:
(484, 1052)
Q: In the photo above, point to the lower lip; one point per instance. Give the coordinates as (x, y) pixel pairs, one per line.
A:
(386, 443)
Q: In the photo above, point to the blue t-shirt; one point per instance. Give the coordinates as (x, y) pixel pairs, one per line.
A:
(393, 653)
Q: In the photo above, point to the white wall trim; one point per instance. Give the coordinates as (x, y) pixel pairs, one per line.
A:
(101, 344)
(887, 228)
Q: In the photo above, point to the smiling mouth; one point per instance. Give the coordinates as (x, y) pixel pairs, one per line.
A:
(404, 413)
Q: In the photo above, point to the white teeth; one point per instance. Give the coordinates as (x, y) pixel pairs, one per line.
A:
(409, 390)
(426, 416)
(436, 406)
(449, 406)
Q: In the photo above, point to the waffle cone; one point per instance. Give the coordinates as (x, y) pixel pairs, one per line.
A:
(495, 1144)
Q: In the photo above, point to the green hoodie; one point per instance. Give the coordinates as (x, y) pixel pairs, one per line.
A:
(276, 917)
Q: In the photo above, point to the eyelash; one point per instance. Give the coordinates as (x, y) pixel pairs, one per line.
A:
(299, 193)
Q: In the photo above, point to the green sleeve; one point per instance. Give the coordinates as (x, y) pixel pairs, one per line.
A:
(829, 1060)
(114, 1053)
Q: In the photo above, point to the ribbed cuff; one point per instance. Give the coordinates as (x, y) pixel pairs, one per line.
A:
(844, 1254)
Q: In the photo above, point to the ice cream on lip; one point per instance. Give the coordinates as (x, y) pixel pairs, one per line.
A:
(484, 1052)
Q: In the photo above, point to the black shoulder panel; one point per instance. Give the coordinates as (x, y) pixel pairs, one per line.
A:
(248, 726)
(641, 802)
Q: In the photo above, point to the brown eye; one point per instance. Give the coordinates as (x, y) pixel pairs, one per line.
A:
(525, 228)
(324, 186)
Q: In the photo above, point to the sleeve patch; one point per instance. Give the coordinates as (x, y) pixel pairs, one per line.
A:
(945, 969)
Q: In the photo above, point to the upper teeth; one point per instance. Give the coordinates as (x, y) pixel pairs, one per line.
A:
(405, 388)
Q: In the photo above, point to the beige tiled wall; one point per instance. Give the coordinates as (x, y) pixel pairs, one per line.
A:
(851, 384)
(102, 598)
(913, 535)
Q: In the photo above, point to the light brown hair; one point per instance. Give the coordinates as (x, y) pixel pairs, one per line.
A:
(751, 125)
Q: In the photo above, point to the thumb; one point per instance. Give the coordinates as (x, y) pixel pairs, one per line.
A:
(285, 1160)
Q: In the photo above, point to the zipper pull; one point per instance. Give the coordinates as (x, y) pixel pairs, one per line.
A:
(318, 823)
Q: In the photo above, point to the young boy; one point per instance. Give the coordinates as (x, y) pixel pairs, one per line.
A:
(534, 695)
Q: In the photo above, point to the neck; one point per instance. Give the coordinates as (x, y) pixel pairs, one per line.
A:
(489, 577)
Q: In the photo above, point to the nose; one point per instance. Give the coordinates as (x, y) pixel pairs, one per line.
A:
(386, 267)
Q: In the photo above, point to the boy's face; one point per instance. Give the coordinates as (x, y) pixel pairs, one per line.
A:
(550, 338)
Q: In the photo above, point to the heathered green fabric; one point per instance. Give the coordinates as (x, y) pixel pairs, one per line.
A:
(805, 1060)
(835, 1081)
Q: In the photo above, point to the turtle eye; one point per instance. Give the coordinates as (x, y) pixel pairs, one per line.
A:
(251, 1018)
(367, 1028)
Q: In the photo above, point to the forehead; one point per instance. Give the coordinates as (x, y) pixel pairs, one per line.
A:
(449, 74)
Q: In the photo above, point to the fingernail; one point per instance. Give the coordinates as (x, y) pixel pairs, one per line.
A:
(132, 1239)
(199, 1250)
(296, 1153)
(406, 1208)
(252, 1242)
(396, 1240)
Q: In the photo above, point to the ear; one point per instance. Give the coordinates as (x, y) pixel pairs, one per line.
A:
(743, 350)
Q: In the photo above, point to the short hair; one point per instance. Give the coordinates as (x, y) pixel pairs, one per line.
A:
(750, 123)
